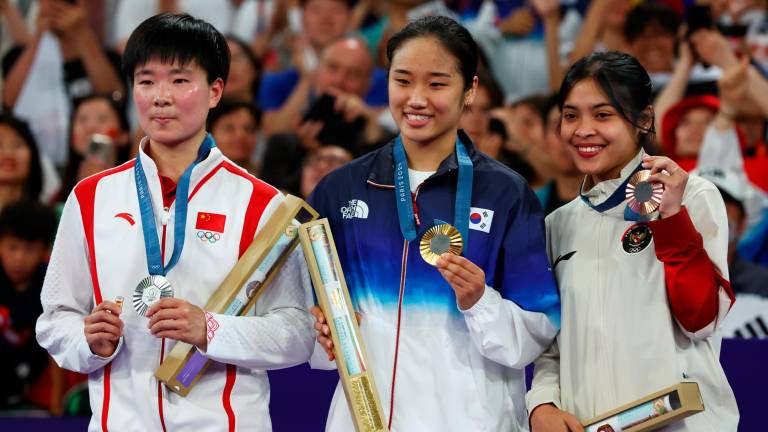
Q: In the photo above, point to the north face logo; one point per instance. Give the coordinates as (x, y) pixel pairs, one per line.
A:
(356, 209)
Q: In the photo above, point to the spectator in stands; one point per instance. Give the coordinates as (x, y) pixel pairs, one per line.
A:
(99, 139)
(87, 67)
(748, 317)
(222, 14)
(345, 72)
(20, 170)
(324, 21)
(705, 127)
(476, 118)
(602, 29)
(746, 276)
(301, 28)
(522, 40)
(244, 72)
(393, 16)
(26, 232)
(14, 26)
(319, 163)
(650, 30)
(235, 126)
(566, 178)
(525, 126)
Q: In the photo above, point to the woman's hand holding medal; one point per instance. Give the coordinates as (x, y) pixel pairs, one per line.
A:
(466, 278)
(103, 328)
(180, 320)
(674, 179)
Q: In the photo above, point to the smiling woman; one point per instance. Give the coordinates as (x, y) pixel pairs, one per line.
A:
(439, 329)
(20, 170)
(644, 283)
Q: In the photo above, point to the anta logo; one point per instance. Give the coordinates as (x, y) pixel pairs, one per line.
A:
(127, 217)
(210, 226)
(356, 209)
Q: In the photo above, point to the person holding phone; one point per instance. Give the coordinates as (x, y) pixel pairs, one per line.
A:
(447, 339)
(644, 289)
(335, 92)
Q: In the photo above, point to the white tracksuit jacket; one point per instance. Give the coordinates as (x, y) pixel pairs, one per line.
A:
(99, 254)
(619, 341)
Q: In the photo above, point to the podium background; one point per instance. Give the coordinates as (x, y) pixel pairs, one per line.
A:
(301, 396)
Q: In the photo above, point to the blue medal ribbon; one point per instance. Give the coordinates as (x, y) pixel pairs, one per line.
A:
(403, 192)
(618, 197)
(151, 243)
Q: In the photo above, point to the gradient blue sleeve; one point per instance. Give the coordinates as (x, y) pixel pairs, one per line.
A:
(526, 277)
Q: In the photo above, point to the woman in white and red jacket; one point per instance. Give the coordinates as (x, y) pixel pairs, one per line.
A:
(642, 295)
(203, 212)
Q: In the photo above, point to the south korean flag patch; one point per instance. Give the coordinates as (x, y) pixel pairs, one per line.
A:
(480, 219)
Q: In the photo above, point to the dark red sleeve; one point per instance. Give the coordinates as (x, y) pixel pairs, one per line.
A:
(693, 282)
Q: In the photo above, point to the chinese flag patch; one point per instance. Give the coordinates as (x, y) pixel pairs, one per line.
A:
(210, 222)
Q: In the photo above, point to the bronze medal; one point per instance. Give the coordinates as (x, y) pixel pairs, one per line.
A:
(644, 197)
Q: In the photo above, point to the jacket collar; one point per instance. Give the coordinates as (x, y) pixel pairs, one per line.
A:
(601, 191)
(214, 158)
(383, 168)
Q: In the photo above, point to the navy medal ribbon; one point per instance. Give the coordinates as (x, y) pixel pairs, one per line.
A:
(616, 198)
(403, 192)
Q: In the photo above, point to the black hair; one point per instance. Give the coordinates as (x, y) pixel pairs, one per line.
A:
(540, 103)
(177, 38)
(118, 107)
(229, 106)
(487, 81)
(74, 159)
(625, 83)
(34, 182)
(730, 199)
(451, 35)
(28, 220)
(252, 59)
(646, 15)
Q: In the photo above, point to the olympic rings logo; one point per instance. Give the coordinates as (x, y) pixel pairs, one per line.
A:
(207, 236)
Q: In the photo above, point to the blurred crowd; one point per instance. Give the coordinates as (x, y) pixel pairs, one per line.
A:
(307, 93)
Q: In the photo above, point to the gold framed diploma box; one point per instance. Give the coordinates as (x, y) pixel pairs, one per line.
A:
(651, 412)
(237, 294)
(333, 296)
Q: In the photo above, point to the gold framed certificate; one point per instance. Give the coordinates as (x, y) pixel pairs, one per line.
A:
(333, 296)
(237, 294)
(651, 412)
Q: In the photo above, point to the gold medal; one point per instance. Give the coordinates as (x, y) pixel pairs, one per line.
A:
(644, 197)
(438, 240)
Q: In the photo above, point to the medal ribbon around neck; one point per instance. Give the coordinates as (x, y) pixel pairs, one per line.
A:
(151, 243)
(616, 198)
(403, 192)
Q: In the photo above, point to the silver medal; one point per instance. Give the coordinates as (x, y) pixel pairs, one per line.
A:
(149, 291)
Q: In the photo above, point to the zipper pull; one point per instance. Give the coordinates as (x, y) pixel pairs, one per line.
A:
(165, 216)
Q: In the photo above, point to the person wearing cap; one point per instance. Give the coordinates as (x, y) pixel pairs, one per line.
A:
(749, 315)
(704, 129)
